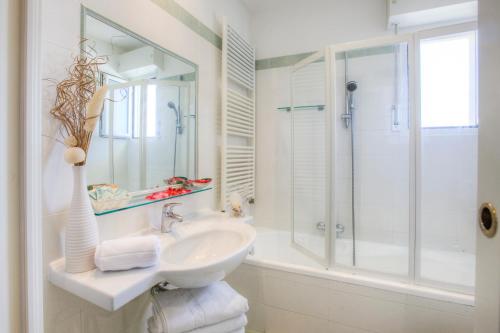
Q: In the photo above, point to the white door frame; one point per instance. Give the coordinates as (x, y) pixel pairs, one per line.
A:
(488, 249)
(31, 161)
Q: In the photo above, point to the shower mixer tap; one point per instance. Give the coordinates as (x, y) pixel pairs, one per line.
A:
(346, 117)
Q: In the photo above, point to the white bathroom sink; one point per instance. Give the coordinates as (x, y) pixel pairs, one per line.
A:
(204, 253)
(199, 251)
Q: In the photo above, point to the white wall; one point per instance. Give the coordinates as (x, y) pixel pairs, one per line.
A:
(304, 26)
(283, 27)
(64, 312)
(10, 41)
(210, 12)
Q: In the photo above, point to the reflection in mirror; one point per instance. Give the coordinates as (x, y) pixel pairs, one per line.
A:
(147, 131)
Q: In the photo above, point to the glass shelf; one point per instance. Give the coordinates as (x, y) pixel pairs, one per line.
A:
(318, 107)
(140, 200)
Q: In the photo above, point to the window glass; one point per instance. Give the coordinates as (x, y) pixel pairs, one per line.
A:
(448, 81)
(151, 111)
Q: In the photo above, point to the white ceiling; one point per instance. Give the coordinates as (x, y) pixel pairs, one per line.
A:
(96, 29)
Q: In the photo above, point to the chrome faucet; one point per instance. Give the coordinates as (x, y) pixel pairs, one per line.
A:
(168, 217)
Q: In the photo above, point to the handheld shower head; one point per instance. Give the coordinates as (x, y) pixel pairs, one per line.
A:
(172, 105)
(351, 86)
(178, 123)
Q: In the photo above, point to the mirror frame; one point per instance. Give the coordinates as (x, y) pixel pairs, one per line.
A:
(84, 12)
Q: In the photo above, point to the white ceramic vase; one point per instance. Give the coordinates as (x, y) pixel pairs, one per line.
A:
(81, 231)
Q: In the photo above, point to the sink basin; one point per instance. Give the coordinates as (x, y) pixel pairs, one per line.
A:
(203, 249)
(205, 253)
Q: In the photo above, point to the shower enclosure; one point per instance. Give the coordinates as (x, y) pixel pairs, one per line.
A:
(364, 166)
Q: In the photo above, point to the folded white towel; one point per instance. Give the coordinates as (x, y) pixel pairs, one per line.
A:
(228, 326)
(241, 330)
(127, 253)
(184, 310)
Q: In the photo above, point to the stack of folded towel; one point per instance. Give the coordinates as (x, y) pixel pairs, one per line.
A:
(213, 309)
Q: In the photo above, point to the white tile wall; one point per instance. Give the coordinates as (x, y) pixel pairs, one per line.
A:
(273, 145)
(284, 302)
(381, 175)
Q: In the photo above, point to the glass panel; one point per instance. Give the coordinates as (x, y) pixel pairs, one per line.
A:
(309, 162)
(448, 162)
(373, 159)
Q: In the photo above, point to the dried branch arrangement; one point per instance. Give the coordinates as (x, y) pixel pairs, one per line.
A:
(78, 106)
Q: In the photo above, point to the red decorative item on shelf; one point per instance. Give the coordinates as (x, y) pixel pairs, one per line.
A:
(170, 192)
(203, 180)
(198, 184)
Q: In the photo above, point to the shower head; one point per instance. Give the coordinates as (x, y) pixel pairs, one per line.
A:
(172, 106)
(178, 123)
(351, 86)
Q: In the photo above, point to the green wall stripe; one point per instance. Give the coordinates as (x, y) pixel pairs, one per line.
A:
(290, 60)
(371, 51)
(283, 61)
(177, 11)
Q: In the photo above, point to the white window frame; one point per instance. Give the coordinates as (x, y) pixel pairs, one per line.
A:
(122, 85)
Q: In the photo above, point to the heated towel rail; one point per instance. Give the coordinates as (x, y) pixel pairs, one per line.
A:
(238, 117)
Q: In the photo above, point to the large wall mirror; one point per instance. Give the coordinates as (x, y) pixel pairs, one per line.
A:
(147, 131)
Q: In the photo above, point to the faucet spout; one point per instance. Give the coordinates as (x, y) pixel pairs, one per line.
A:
(169, 217)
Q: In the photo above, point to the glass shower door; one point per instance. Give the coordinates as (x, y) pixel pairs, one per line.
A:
(310, 130)
(372, 158)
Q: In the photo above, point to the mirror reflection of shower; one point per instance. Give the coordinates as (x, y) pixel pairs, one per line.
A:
(351, 87)
(179, 128)
(178, 117)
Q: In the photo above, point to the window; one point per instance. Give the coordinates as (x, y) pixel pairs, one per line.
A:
(137, 112)
(151, 94)
(121, 103)
(151, 111)
(448, 81)
(126, 102)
